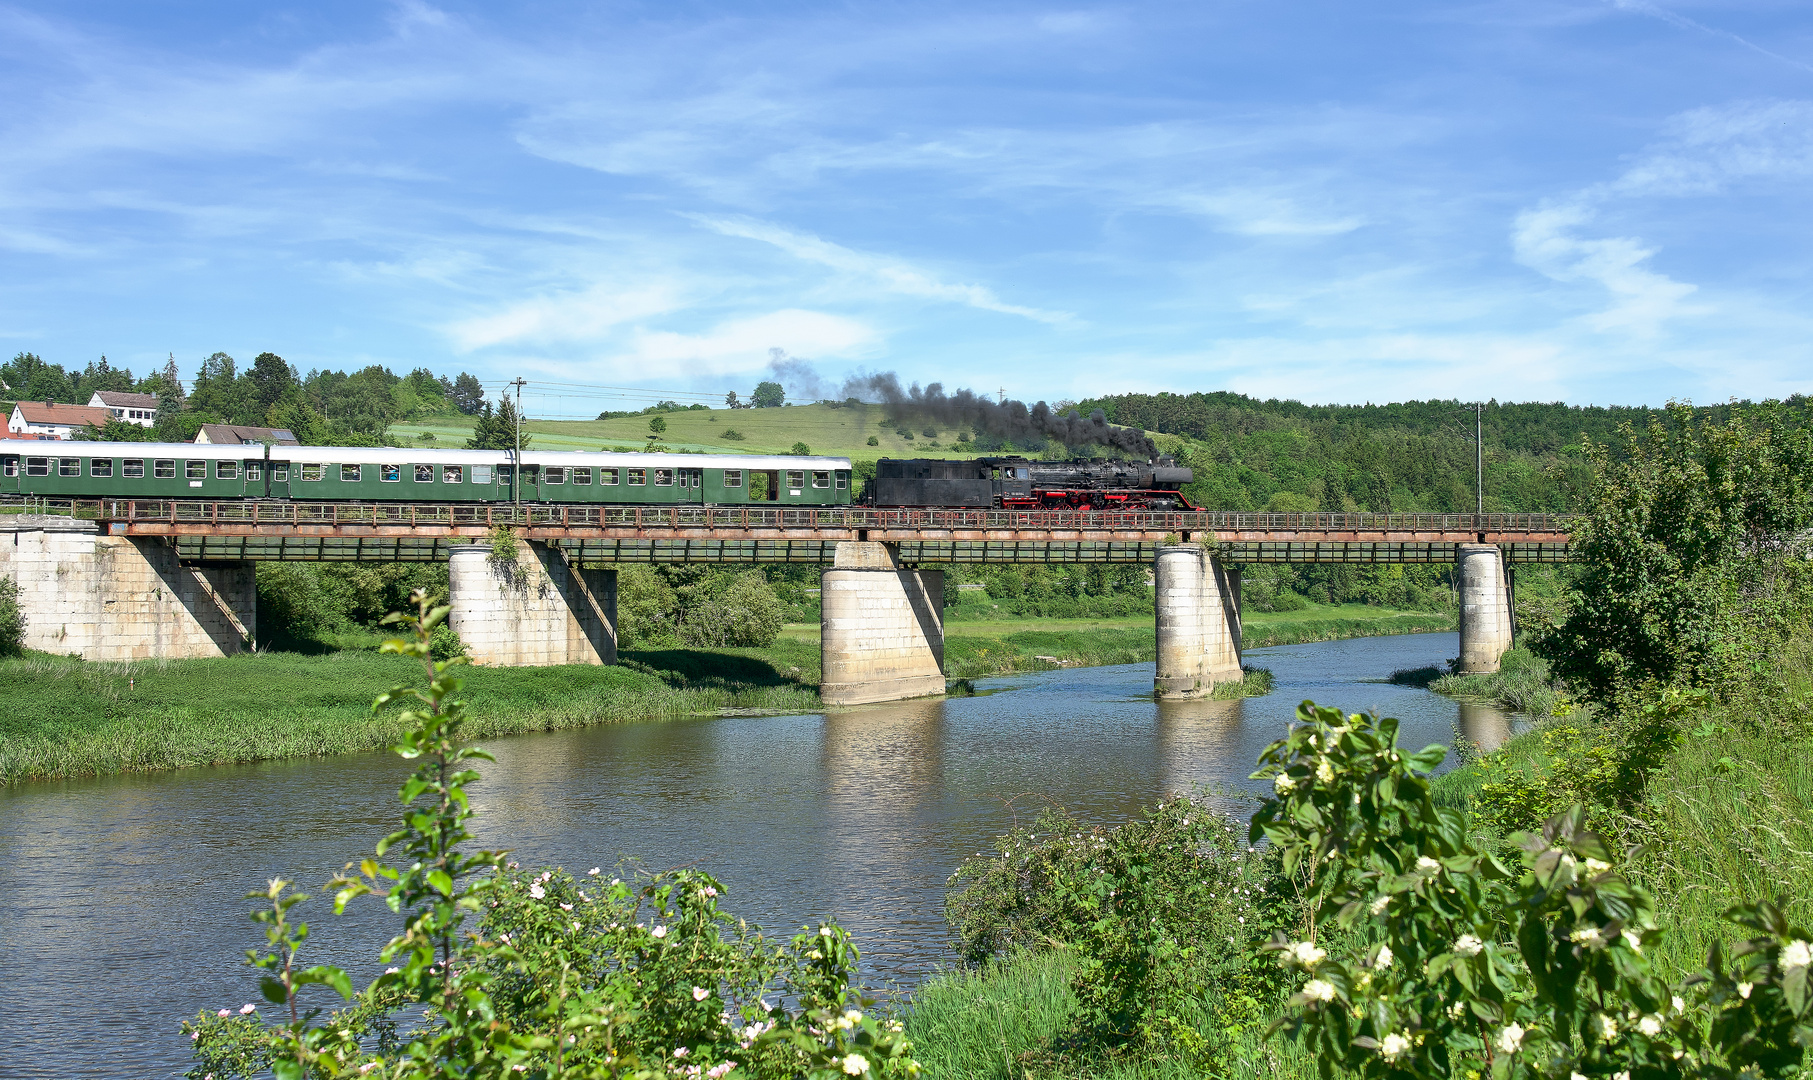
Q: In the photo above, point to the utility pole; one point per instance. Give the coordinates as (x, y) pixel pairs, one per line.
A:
(1479, 455)
(516, 462)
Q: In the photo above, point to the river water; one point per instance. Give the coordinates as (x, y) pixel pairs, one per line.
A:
(120, 898)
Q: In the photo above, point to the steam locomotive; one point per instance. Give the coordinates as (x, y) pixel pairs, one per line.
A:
(1017, 483)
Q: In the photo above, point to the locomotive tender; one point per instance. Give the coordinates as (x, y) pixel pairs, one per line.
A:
(98, 470)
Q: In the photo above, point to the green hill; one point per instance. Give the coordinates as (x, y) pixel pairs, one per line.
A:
(831, 430)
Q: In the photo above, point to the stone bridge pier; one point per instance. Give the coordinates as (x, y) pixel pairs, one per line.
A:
(882, 627)
(106, 597)
(1485, 606)
(1196, 598)
(532, 610)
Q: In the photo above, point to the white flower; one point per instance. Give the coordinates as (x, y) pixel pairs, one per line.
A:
(1393, 1046)
(681, 1051)
(1590, 936)
(566, 907)
(1597, 866)
(1650, 1026)
(1383, 960)
(699, 993)
(659, 931)
(1796, 955)
(536, 891)
(593, 872)
(1426, 865)
(853, 1016)
(1468, 945)
(1306, 954)
(1379, 905)
(1325, 772)
(247, 1010)
(722, 1068)
(1679, 1005)
(1317, 990)
(1633, 940)
(1575, 1076)
(1509, 1039)
(1608, 1028)
(1283, 784)
(1623, 1074)
(1457, 1010)
(1743, 990)
(855, 1065)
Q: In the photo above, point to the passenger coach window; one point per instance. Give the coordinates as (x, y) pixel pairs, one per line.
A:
(280, 473)
(37, 466)
(843, 480)
(636, 477)
(226, 470)
(821, 479)
(254, 471)
(733, 478)
(195, 470)
(100, 466)
(133, 467)
(607, 477)
(163, 469)
(314, 472)
(795, 481)
(582, 476)
(390, 474)
(349, 474)
(424, 474)
(69, 466)
(503, 474)
(450, 474)
(664, 478)
(554, 474)
(9, 465)
(481, 474)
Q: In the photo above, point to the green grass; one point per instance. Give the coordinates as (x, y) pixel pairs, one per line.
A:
(1521, 684)
(68, 718)
(1336, 622)
(832, 432)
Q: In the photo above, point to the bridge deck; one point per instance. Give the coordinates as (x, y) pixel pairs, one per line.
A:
(236, 530)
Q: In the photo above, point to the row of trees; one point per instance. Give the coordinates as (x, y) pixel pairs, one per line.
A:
(346, 408)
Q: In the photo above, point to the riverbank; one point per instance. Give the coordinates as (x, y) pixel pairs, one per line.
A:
(66, 718)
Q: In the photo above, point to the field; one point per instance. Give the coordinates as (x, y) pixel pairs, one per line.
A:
(831, 431)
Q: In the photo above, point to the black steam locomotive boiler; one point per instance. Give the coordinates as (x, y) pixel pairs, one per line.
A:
(1017, 483)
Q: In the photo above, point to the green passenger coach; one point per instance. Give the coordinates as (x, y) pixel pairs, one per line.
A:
(94, 470)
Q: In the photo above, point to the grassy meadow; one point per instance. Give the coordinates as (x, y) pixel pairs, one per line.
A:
(834, 431)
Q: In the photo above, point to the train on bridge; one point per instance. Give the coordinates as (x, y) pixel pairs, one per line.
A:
(315, 474)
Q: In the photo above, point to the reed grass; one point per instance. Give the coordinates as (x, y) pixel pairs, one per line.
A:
(1522, 684)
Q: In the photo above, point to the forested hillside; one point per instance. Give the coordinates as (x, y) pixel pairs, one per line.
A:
(1410, 456)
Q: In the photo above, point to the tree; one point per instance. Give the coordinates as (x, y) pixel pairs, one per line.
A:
(12, 619)
(271, 378)
(800, 449)
(468, 395)
(1688, 569)
(769, 395)
(657, 425)
(100, 375)
(496, 428)
(31, 379)
(114, 430)
(730, 400)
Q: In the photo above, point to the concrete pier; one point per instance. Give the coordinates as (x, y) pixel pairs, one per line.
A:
(108, 597)
(882, 627)
(1197, 602)
(531, 611)
(1485, 606)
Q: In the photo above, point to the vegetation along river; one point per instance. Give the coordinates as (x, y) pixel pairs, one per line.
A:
(120, 898)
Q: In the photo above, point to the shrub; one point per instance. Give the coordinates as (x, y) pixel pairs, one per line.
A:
(873, 441)
(746, 613)
(1436, 961)
(800, 449)
(732, 435)
(12, 619)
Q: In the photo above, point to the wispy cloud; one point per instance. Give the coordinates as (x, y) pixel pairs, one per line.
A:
(1656, 11)
(893, 275)
(582, 316)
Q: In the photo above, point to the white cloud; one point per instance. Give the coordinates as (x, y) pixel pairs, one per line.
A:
(1642, 300)
(574, 316)
(743, 344)
(893, 275)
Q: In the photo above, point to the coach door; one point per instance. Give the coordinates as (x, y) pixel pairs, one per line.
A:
(693, 483)
(277, 475)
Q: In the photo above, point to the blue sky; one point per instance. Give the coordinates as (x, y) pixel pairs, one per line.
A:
(1599, 201)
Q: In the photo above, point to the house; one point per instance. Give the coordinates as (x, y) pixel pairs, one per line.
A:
(140, 409)
(243, 435)
(56, 420)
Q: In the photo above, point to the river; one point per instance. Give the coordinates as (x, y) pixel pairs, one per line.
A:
(120, 898)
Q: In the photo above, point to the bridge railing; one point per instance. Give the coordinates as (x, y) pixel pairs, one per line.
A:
(840, 518)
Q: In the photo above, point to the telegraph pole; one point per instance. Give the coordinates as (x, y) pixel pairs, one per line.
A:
(1479, 455)
(516, 462)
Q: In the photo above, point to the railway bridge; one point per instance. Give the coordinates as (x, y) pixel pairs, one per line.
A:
(536, 584)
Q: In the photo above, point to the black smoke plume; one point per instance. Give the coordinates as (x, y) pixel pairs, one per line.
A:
(1006, 419)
